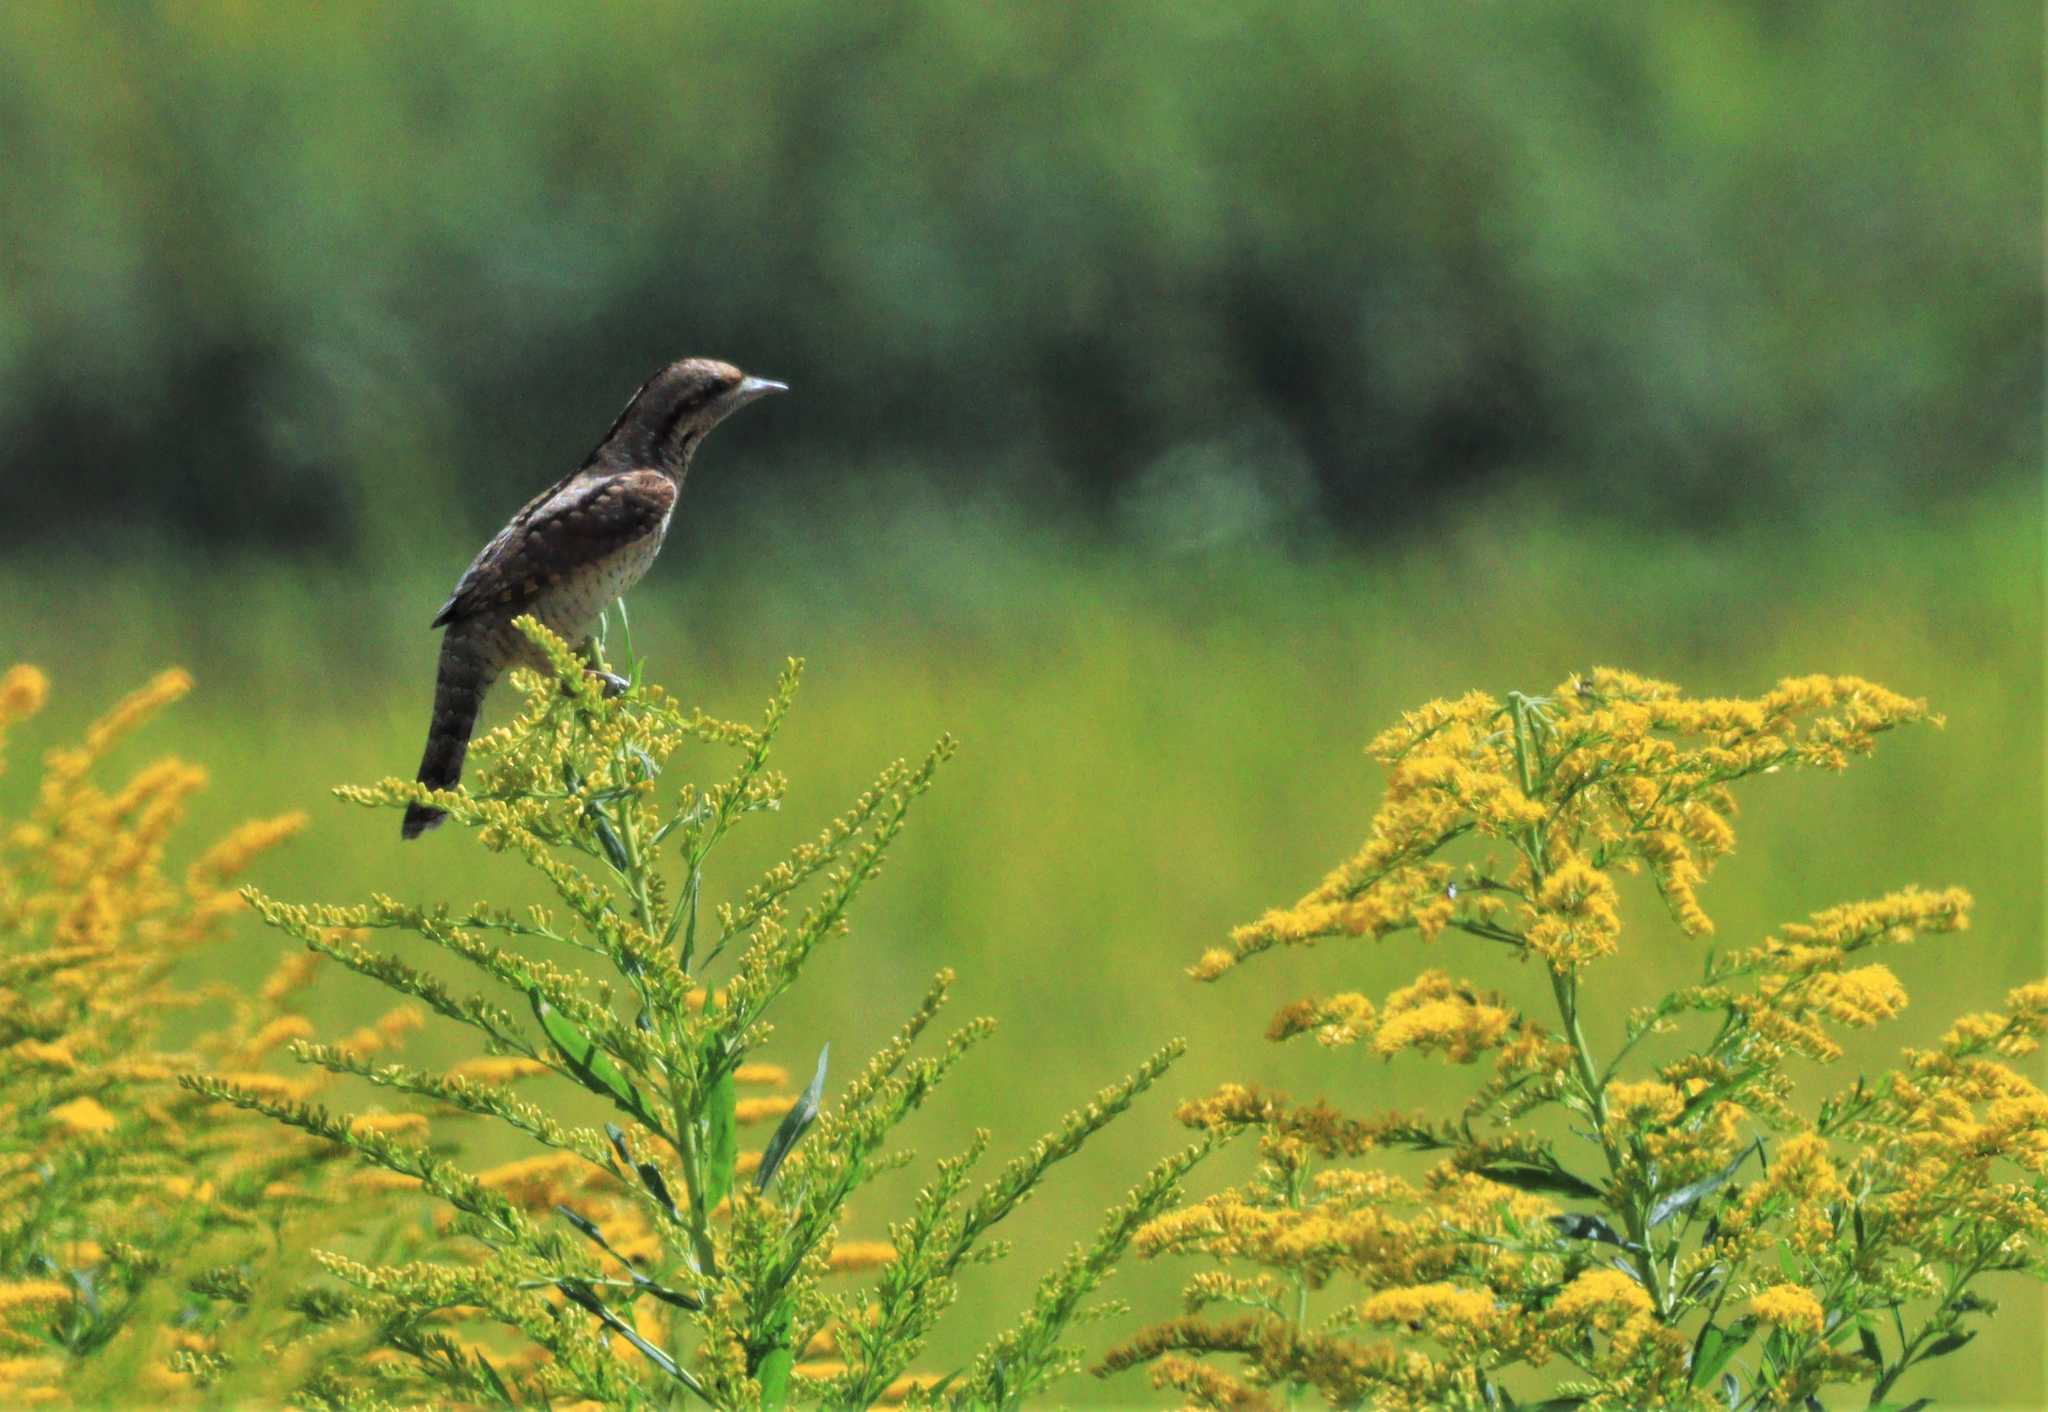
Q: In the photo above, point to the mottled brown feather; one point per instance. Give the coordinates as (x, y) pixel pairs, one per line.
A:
(560, 532)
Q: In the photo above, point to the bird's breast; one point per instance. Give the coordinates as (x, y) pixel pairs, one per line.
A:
(570, 605)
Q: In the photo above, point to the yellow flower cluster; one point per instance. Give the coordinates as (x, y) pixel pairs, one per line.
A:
(1439, 1013)
(1602, 1299)
(92, 922)
(1435, 1013)
(1504, 825)
(1611, 771)
(1576, 916)
(1789, 1307)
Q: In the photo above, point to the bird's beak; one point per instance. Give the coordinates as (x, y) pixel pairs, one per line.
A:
(751, 388)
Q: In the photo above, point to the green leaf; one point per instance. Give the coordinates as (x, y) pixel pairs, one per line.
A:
(1692, 1193)
(1536, 1176)
(497, 1383)
(794, 1124)
(773, 1375)
(591, 1232)
(1872, 1349)
(614, 848)
(1715, 1346)
(1581, 1225)
(721, 1139)
(1948, 1343)
(591, 1065)
(581, 1294)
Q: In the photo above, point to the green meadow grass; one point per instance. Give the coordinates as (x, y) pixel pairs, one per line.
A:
(1155, 746)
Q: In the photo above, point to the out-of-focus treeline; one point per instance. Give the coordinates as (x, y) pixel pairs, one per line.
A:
(283, 274)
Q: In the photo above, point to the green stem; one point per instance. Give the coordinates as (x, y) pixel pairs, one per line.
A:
(1933, 1326)
(1565, 986)
(693, 1178)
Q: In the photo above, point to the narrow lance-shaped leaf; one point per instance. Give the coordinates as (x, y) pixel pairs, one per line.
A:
(773, 1375)
(596, 1237)
(1535, 1176)
(589, 1063)
(1581, 1225)
(1715, 1346)
(583, 1296)
(614, 847)
(721, 1139)
(649, 1174)
(650, 1177)
(1692, 1193)
(1948, 1343)
(795, 1123)
(497, 1383)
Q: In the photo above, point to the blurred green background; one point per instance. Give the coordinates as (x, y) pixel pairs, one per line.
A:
(1180, 392)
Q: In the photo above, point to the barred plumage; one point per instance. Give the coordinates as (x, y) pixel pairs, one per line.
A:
(570, 550)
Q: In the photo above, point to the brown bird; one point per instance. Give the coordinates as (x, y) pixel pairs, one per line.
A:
(574, 548)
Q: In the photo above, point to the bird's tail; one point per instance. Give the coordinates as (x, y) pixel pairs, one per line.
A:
(458, 698)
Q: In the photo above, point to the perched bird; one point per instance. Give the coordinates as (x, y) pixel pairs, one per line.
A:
(571, 550)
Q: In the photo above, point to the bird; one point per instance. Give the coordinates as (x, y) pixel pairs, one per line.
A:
(571, 550)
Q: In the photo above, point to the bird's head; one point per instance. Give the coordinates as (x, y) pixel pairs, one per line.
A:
(674, 409)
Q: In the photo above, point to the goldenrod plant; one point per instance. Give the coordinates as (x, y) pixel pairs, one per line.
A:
(122, 1196)
(1660, 1220)
(657, 1259)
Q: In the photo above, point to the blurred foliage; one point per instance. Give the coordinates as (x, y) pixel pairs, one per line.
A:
(292, 276)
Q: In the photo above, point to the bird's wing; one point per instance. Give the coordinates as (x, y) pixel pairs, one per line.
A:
(560, 531)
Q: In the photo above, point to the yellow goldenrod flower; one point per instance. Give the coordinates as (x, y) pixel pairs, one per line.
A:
(1336, 1019)
(293, 974)
(279, 1031)
(1438, 1305)
(1651, 1101)
(268, 1085)
(761, 1110)
(764, 1075)
(851, 1255)
(85, 1117)
(497, 1070)
(1896, 917)
(533, 1182)
(232, 855)
(22, 692)
(1790, 1307)
(380, 1182)
(1596, 1296)
(407, 1125)
(900, 1390)
(21, 1374)
(33, 1294)
(1577, 916)
(1858, 998)
(42, 1054)
(386, 1031)
(1437, 1012)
